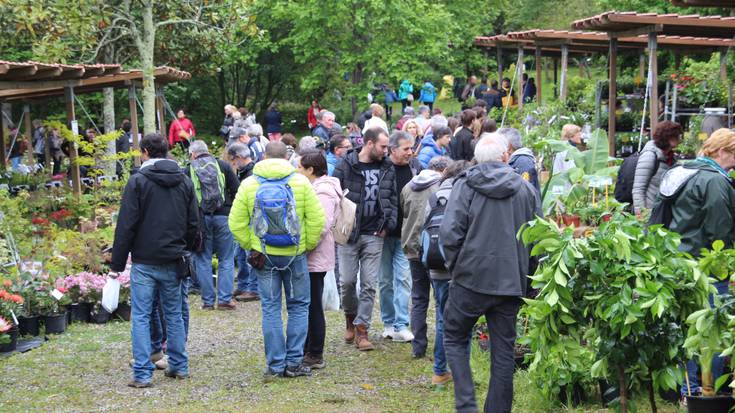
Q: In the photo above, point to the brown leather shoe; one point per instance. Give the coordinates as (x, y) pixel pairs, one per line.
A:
(349, 328)
(227, 306)
(247, 296)
(361, 340)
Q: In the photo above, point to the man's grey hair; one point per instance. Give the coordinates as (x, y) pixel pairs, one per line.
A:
(255, 130)
(423, 109)
(238, 150)
(439, 121)
(395, 139)
(198, 147)
(327, 113)
(237, 132)
(513, 136)
(491, 147)
(307, 143)
(276, 150)
(439, 163)
(319, 115)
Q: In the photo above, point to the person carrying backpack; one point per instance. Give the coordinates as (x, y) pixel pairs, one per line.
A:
(277, 216)
(656, 158)
(215, 185)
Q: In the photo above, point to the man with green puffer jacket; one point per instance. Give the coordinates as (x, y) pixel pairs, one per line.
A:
(283, 266)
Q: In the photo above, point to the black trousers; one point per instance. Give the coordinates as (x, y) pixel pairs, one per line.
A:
(462, 310)
(317, 325)
(420, 298)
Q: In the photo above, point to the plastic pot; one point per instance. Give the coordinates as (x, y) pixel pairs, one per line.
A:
(571, 220)
(608, 393)
(29, 326)
(80, 312)
(716, 404)
(55, 323)
(11, 346)
(123, 311)
(578, 395)
(100, 316)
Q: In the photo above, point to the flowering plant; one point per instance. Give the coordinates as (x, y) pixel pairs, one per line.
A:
(10, 304)
(84, 287)
(5, 326)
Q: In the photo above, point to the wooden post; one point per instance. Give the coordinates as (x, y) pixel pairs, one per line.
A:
(29, 131)
(519, 75)
(556, 78)
(134, 122)
(499, 57)
(3, 149)
(642, 67)
(613, 92)
(653, 67)
(76, 183)
(723, 64)
(564, 67)
(160, 112)
(539, 81)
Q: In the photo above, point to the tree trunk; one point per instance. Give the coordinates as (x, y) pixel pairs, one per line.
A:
(623, 389)
(146, 61)
(108, 108)
(651, 394)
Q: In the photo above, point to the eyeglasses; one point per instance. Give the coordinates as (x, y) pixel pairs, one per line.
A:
(344, 147)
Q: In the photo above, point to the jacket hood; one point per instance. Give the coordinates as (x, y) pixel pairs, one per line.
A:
(424, 180)
(676, 177)
(430, 142)
(327, 185)
(165, 173)
(494, 180)
(651, 146)
(522, 152)
(273, 168)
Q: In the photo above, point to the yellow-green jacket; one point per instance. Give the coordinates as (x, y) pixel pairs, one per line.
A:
(308, 208)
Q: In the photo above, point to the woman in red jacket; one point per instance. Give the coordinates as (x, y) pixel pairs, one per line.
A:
(311, 115)
(181, 131)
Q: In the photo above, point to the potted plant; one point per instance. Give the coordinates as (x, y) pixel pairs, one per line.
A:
(8, 336)
(10, 306)
(53, 310)
(95, 284)
(29, 321)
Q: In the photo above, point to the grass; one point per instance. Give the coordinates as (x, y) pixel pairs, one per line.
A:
(86, 369)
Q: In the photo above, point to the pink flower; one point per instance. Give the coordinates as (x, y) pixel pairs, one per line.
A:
(5, 325)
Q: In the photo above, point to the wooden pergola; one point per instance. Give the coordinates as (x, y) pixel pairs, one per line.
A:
(32, 81)
(715, 32)
(704, 3)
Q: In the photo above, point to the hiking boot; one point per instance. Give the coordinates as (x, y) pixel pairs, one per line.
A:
(388, 333)
(228, 306)
(158, 359)
(315, 363)
(403, 336)
(139, 384)
(349, 329)
(207, 307)
(247, 296)
(175, 374)
(297, 371)
(361, 340)
(269, 376)
(442, 379)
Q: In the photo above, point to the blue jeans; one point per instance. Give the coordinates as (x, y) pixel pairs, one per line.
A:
(145, 281)
(441, 293)
(246, 279)
(158, 325)
(718, 363)
(395, 285)
(217, 239)
(15, 162)
(291, 274)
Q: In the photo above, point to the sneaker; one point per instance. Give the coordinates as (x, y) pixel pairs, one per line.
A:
(297, 371)
(139, 384)
(270, 376)
(158, 359)
(207, 307)
(228, 306)
(441, 379)
(388, 333)
(175, 374)
(403, 336)
(315, 363)
(247, 296)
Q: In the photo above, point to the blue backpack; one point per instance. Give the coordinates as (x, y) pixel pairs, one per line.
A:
(275, 221)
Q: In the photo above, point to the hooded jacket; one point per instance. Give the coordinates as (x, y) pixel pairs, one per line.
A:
(159, 216)
(648, 178)
(327, 189)
(404, 89)
(524, 163)
(414, 197)
(429, 149)
(350, 177)
(703, 211)
(308, 209)
(461, 145)
(332, 161)
(488, 205)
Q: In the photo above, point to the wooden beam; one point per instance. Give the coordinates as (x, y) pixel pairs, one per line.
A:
(652, 28)
(556, 77)
(134, 122)
(723, 65)
(45, 73)
(76, 182)
(613, 92)
(4, 67)
(642, 66)
(160, 111)
(539, 80)
(20, 72)
(499, 57)
(653, 67)
(519, 74)
(564, 67)
(3, 149)
(29, 131)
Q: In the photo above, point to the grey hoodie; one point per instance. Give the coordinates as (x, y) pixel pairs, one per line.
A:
(414, 197)
(488, 205)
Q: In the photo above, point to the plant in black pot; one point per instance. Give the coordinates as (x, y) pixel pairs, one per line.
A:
(53, 308)
(29, 321)
(8, 336)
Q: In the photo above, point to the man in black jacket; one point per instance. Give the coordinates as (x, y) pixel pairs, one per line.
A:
(460, 147)
(489, 268)
(158, 222)
(370, 178)
(216, 235)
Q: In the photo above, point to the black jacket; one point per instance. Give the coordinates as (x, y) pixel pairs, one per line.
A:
(232, 184)
(159, 217)
(351, 178)
(461, 145)
(488, 204)
(245, 172)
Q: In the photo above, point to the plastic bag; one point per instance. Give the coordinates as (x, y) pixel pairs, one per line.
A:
(330, 296)
(110, 295)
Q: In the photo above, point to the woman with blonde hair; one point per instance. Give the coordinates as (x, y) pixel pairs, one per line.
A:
(377, 119)
(572, 134)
